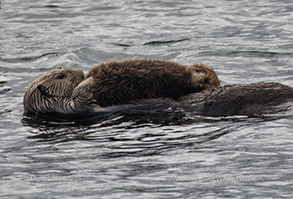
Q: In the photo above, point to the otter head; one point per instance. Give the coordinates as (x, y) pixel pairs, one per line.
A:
(203, 77)
(44, 94)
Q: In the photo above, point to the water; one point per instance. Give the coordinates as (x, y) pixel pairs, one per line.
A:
(141, 157)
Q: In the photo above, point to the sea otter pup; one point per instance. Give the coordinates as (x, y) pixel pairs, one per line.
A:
(121, 82)
(59, 91)
(249, 99)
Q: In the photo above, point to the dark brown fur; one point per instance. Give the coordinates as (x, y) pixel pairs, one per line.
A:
(121, 82)
(249, 99)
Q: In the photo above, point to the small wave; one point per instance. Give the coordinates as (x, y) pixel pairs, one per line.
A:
(245, 54)
(51, 6)
(154, 43)
(121, 44)
(30, 58)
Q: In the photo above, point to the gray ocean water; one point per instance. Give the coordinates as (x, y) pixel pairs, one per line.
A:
(140, 157)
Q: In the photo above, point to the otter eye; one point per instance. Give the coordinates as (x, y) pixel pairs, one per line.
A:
(60, 76)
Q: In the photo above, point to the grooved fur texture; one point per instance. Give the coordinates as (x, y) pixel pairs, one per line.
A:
(58, 91)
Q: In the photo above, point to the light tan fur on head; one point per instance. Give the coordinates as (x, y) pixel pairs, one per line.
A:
(203, 76)
(43, 94)
(58, 82)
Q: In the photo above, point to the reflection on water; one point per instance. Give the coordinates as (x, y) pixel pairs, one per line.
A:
(124, 155)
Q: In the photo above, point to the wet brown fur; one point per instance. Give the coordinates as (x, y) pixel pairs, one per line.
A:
(121, 82)
(248, 99)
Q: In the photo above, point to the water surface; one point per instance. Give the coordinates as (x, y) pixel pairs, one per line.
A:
(145, 157)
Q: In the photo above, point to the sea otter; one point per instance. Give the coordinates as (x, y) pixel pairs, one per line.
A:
(121, 82)
(59, 91)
